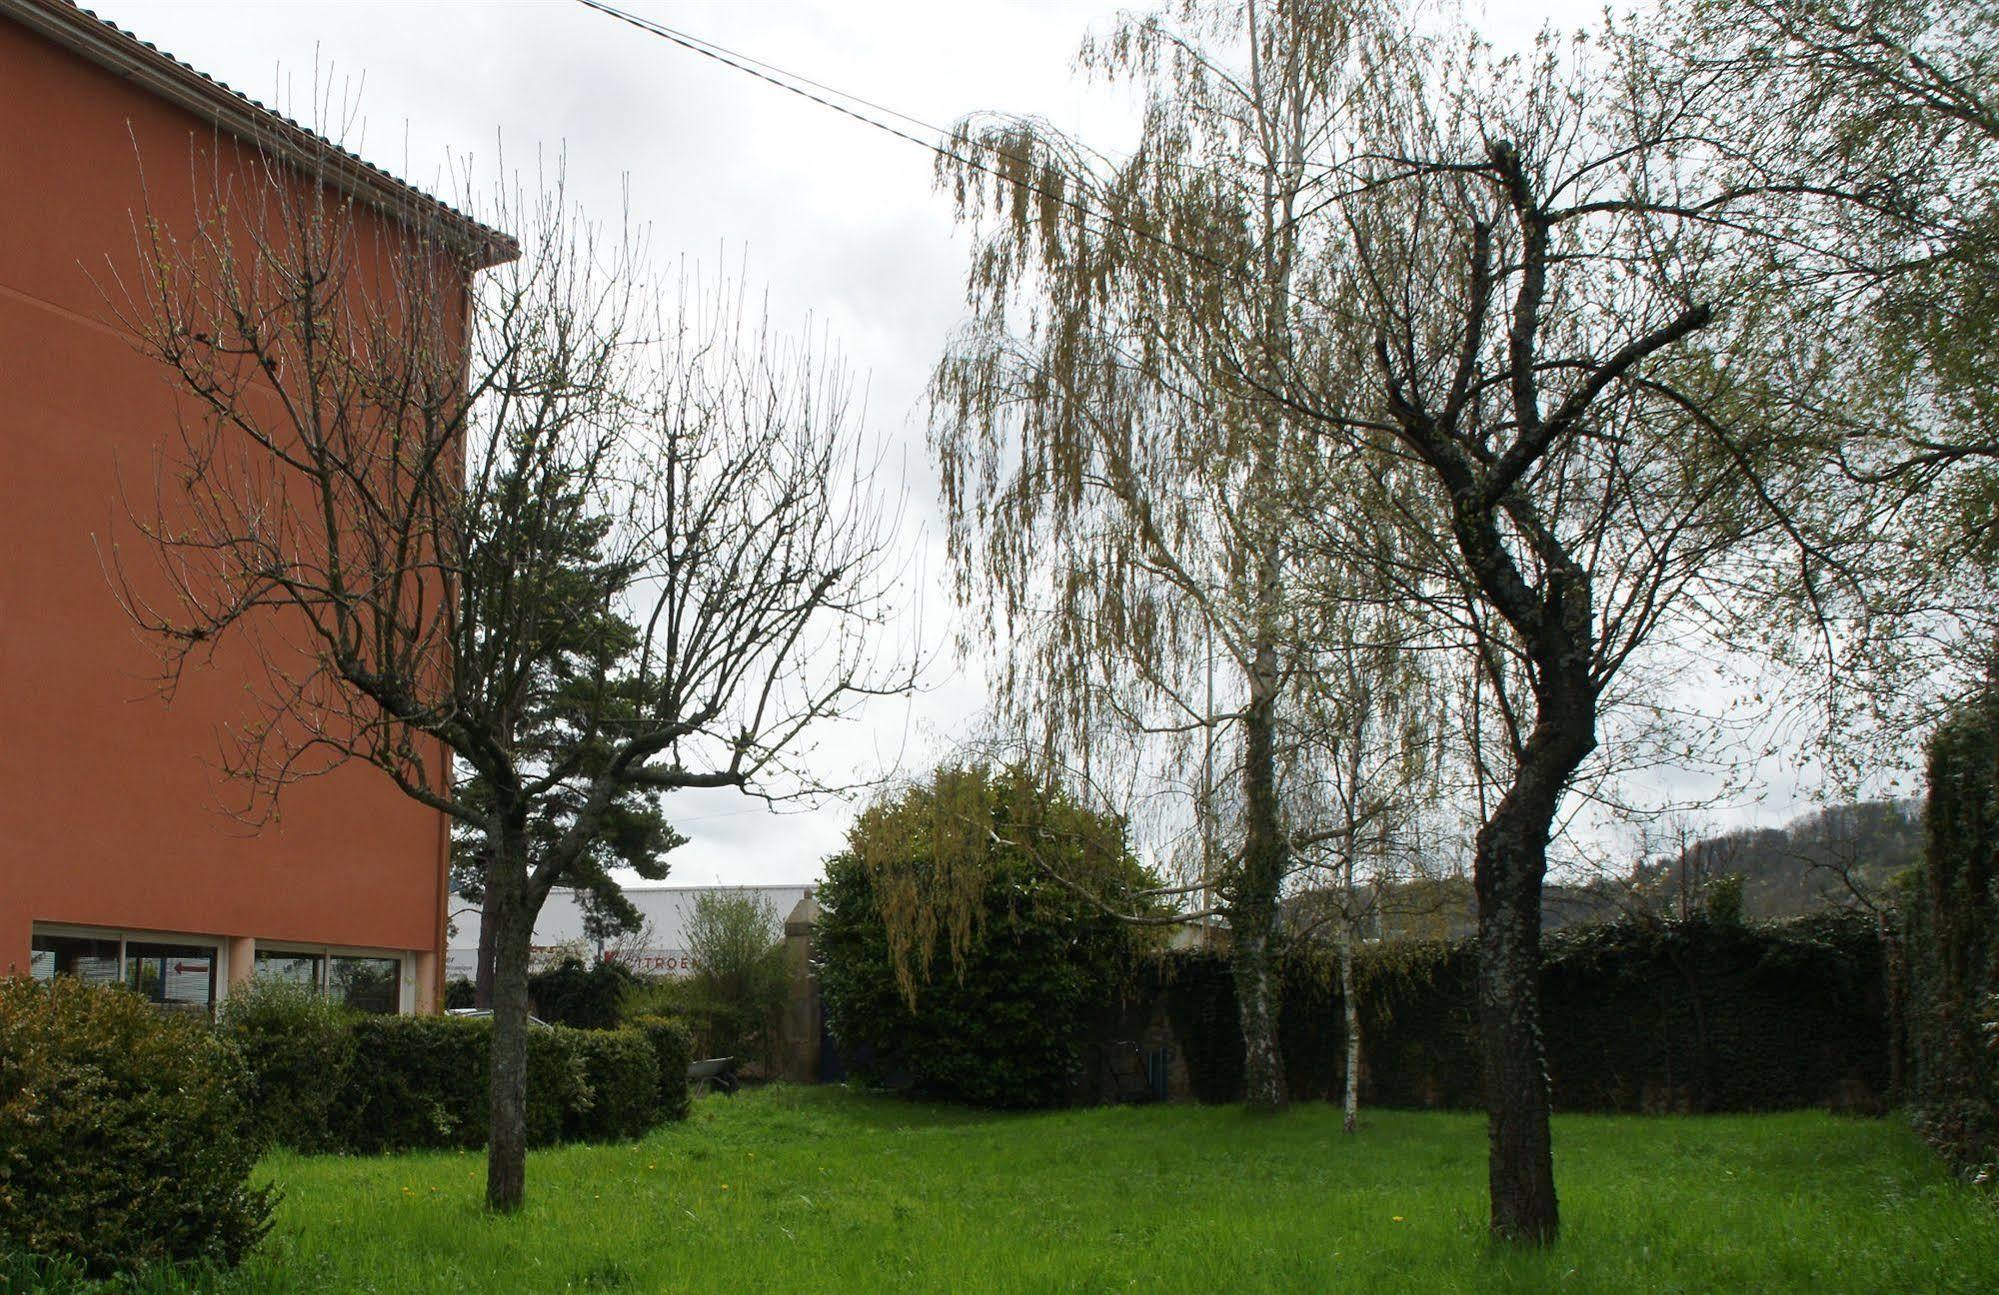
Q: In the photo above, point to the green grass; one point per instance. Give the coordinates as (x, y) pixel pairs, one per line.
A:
(820, 1190)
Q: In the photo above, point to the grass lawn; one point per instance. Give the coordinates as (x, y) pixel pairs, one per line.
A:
(820, 1190)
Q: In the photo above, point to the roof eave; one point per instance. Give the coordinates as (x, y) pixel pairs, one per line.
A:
(118, 51)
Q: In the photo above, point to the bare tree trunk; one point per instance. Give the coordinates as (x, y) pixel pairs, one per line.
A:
(1253, 912)
(512, 922)
(1352, 1004)
(1507, 869)
(1521, 1169)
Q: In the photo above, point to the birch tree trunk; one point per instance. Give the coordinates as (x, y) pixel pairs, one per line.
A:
(1254, 914)
(1351, 1120)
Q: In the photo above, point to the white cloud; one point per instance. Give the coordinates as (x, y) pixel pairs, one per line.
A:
(840, 220)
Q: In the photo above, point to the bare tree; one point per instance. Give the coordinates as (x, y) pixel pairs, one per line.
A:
(1523, 239)
(564, 534)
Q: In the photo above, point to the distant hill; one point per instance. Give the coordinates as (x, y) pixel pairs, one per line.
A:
(1447, 908)
(1813, 862)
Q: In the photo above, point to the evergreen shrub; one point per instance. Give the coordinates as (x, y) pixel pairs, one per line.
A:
(1001, 1018)
(585, 998)
(124, 1142)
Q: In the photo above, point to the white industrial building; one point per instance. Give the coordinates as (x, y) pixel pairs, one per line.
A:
(659, 948)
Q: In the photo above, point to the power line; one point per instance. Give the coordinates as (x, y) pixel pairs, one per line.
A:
(794, 83)
(706, 46)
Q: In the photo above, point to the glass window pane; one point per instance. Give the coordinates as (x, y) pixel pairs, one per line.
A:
(367, 984)
(173, 975)
(92, 960)
(298, 968)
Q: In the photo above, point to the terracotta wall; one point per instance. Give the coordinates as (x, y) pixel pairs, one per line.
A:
(109, 799)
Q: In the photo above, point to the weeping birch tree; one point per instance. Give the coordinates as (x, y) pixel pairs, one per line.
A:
(1121, 499)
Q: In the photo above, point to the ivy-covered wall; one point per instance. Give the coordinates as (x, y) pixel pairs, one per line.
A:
(1953, 943)
(1679, 1016)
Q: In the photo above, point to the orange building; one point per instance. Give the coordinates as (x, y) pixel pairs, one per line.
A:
(117, 861)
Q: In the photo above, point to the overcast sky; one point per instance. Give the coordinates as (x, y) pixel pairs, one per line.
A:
(839, 221)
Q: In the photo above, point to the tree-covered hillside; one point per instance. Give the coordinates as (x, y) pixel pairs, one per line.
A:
(1833, 857)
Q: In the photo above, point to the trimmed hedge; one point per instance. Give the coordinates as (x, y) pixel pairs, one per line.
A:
(1684, 1016)
(414, 1082)
(621, 1070)
(673, 1051)
(297, 1049)
(123, 1138)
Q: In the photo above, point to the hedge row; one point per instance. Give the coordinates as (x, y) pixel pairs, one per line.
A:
(128, 1135)
(396, 1083)
(1683, 1016)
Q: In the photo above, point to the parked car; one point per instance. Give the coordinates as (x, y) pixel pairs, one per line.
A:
(534, 1022)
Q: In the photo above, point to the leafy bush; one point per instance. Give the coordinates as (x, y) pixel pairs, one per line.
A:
(123, 1137)
(586, 998)
(460, 993)
(673, 1052)
(559, 1096)
(652, 996)
(1003, 1023)
(714, 1029)
(741, 978)
(296, 1049)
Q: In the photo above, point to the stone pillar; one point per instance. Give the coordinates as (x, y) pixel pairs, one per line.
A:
(798, 1061)
(429, 977)
(242, 958)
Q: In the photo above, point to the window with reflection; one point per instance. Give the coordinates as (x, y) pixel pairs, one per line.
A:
(366, 984)
(180, 976)
(87, 958)
(308, 969)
